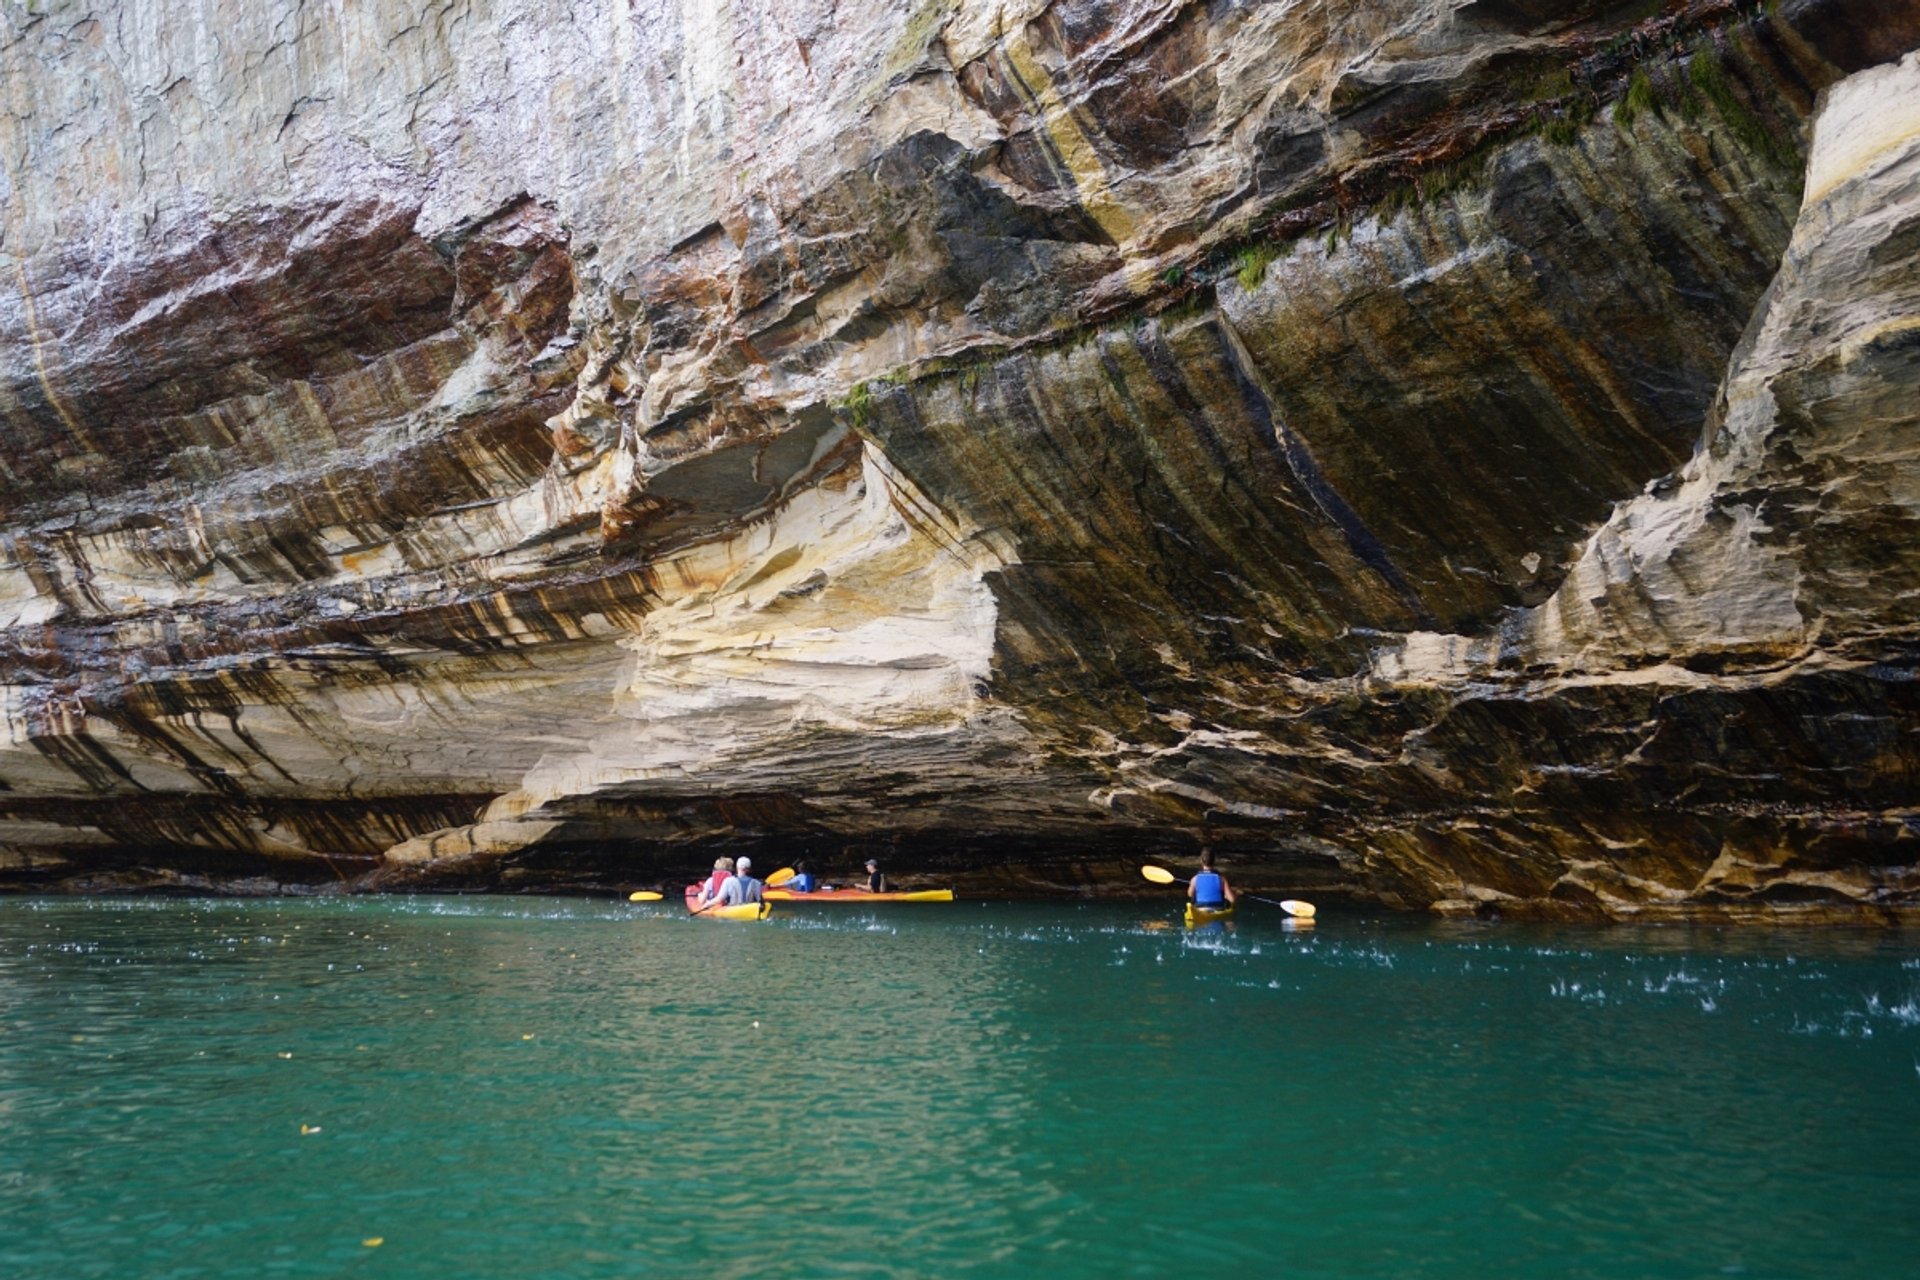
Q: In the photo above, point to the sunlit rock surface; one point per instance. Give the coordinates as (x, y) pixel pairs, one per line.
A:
(1454, 454)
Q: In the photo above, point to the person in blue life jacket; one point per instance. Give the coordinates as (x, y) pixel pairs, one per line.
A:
(1209, 888)
(803, 881)
(740, 888)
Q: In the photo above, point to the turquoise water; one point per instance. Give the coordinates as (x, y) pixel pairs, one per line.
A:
(565, 1088)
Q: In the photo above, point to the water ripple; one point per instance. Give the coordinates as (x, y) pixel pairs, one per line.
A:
(551, 1087)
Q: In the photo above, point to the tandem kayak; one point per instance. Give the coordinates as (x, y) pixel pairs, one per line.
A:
(1207, 915)
(744, 911)
(858, 895)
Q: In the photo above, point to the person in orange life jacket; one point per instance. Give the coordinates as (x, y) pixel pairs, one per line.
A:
(1209, 888)
(740, 888)
(876, 883)
(803, 881)
(722, 868)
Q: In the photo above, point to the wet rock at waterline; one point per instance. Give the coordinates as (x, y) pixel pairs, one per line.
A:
(1452, 455)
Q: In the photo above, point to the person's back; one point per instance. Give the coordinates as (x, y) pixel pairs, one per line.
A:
(1209, 888)
(711, 886)
(803, 881)
(741, 889)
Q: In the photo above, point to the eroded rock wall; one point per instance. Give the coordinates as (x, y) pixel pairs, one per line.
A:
(1431, 450)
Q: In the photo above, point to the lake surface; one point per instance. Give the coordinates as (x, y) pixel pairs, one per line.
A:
(569, 1088)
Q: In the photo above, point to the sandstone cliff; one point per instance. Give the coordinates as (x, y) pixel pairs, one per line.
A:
(1450, 452)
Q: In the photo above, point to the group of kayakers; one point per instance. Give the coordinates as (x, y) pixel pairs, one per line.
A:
(732, 883)
(733, 892)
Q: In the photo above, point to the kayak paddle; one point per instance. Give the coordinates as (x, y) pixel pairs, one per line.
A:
(643, 895)
(1292, 906)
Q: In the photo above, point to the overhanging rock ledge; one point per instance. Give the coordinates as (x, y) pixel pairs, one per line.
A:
(1460, 456)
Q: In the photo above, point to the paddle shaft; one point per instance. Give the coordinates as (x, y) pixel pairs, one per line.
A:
(1272, 902)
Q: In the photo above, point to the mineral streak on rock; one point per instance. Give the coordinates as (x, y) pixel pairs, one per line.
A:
(1448, 453)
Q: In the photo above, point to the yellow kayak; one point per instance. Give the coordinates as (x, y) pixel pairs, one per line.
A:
(1207, 915)
(744, 911)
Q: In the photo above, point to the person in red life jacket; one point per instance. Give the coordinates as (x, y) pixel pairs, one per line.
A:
(1209, 888)
(740, 888)
(710, 887)
(876, 883)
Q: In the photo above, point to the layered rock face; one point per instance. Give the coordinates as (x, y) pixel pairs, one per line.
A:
(1457, 455)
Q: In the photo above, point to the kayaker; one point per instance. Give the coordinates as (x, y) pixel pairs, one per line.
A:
(740, 888)
(1209, 888)
(803, 881)
(876, 883)
(722, 868)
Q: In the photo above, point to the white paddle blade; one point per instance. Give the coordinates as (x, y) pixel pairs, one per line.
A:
(1159, 875)
(1295, 907)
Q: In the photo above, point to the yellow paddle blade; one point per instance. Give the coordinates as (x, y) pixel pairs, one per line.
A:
(1159, 875)
(779, 877)
(643, 895)
(1295, 907)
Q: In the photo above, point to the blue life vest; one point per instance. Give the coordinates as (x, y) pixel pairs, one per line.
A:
(802, 883)
(1209, 890)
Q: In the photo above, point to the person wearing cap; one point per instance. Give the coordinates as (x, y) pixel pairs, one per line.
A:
(876, 882)
(1209, 888)
(740, 888)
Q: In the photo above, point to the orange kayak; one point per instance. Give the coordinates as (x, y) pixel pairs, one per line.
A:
(858, 895)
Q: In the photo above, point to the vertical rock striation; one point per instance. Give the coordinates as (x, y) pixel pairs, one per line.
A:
(1450, 453)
